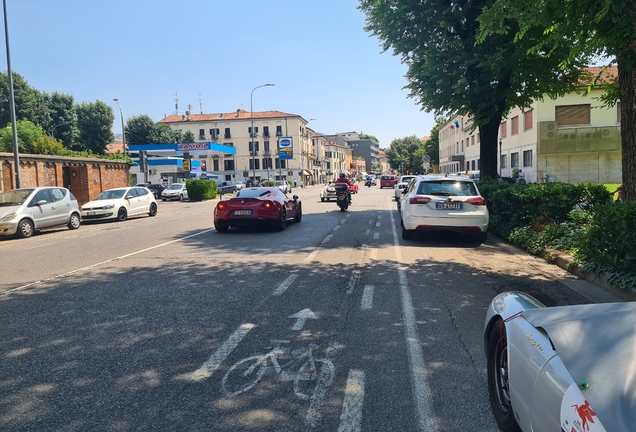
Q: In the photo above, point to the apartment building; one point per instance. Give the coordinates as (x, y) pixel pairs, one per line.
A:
(571, 139)
(336, 160)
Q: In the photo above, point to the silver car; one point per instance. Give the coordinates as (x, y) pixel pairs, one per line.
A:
(283, 186)
(328, 192)
(24, 211)
(176, 191)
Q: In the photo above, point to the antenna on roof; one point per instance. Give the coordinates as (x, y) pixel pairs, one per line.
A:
(200, 103)
(176, 103)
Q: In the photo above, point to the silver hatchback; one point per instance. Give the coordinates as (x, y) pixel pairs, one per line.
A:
(24, 211)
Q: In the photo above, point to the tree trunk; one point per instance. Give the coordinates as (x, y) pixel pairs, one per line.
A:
(627, 83)
(489, 147)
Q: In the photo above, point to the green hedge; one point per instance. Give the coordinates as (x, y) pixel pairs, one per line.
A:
(199, 189)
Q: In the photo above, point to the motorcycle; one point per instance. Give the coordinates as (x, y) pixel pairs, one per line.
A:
(342, 196)
(369, 183)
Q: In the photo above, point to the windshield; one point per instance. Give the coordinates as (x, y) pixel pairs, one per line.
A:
(253, 193)
(280, 183)
(14, 197)
(447, 188)
(111, 194)
(175, 186)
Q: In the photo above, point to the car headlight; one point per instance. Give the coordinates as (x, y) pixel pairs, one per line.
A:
(109, 206)
(8, 217)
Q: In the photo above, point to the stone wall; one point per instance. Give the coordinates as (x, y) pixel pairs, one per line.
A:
(85, 177)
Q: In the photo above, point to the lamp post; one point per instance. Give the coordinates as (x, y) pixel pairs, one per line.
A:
(500, 154)
(16, 152)
(252, 128)
(123, 132)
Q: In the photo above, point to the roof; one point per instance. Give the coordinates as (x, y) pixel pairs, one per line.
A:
(608, 74)
(224, 117)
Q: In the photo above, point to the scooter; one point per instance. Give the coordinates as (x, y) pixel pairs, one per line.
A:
(369, 183)
(342, 196)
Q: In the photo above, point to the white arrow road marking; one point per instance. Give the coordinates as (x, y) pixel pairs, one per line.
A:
(219, 356)
(351, 416)
(367, 297)
(302, 317)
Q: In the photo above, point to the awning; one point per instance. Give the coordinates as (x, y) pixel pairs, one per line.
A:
(211, 176)
(195, 173)
(307, 172)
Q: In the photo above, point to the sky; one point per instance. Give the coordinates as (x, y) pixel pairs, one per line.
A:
(211, 54)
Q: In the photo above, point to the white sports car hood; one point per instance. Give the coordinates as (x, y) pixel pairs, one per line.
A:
(597, 344)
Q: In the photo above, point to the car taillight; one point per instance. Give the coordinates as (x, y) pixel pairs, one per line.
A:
(268, 205)
(220, 206)
(419, 200)
(477, 201)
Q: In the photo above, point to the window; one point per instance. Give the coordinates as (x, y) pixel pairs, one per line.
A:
(527, 120)
(254, 162)
(215, 163)
(503, 130)
(214, 133)
(514, 124)
(266, 131)
(572, 114)
(478, 138)
(227, 133)
(472, 140)
(255, 144)
(503, 161)
(249, 131)
(280, 163)
(478, 165)
(279, 131)
(201, 133)
(618, 112)
(527, 158)
(266, 146)
(267, 163)
(514, 160)
(228, 165)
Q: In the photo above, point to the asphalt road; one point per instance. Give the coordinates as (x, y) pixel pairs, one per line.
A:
(335, 323)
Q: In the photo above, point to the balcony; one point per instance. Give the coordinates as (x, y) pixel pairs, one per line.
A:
(279, 133)
(254, 153)
(267, 153)
(227, 136)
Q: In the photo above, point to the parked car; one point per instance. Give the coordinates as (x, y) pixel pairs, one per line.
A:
(225, 187)
(283, 186)
(25, 211)
(252, 183)
(400, 185)
(155, 188)
(567, 368)
(387, 181)
(328, 192)
(443, 202)
(120, 204)
(240, 185)
(176, 191)
(263, 205)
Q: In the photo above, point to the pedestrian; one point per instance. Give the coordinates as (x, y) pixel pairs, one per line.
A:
(619, 191)
(522, 177)
(295, 185)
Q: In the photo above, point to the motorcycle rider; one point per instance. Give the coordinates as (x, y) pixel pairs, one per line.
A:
(344, 180)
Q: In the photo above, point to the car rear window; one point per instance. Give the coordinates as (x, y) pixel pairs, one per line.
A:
(253, 193)
(387, 178)
(447, 188)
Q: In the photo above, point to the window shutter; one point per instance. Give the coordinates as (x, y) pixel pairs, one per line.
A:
(572, 114)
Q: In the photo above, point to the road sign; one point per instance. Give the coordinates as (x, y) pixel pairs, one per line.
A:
(426, 158)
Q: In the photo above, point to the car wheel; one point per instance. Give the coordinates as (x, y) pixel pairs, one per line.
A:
(481, 237)
(322, 199)
(498, 379)
(163, 199)
(74, 222)
(407, 234)
(25, 228)
(219, 227)
(299, 214)
(181, 197)
(281, 224)
(122, 214)
(153, 210)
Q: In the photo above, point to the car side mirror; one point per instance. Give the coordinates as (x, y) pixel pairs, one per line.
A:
(295, 197)
(41, 202)
(404, 191)
(129, 197)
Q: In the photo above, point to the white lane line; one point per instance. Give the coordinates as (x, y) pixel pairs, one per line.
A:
(348, 216)
(43, 245)
(103, 262)
(378, 223)
(351, 417)
(337, 227)
(351, 286)
(312, 255)
(326, 239)
(367, 232)
(208, 368)
(421, 391)
(376, 236)
(286, 283)
(367, 298)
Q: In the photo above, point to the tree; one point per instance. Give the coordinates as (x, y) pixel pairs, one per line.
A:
(188, 137)
(139, 129)
(95, 124)
(587, 29)
(432, 144)
(27, 133)
(63, 122)
(406, 153)
(366, 136)
(449, 73)
(47, 145)
(164, 134)
(26, 99)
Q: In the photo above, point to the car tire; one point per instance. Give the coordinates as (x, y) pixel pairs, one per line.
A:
(299, 214)
(221, 228)
(281, 223)
(181, 197)
(407, 234)
(163, 199)
(153, 210)
(481, 237)
(74, 221)
(498, 379)
(122, 214)
(25, 228)
(322, 199)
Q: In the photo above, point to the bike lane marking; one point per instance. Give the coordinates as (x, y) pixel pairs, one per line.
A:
(351, 286)
(286, 283)
(351, 417)
(367, 298)
(421, 391)
(208, 368)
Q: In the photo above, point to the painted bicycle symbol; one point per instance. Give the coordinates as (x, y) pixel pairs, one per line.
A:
(314, 373)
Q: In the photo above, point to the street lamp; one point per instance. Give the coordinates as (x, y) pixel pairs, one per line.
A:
(16, 152)
(123, 132)
(252, 129)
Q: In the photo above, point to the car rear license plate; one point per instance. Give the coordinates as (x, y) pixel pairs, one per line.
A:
(448, 206)
(241, 212)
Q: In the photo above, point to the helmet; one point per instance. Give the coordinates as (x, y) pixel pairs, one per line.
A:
(342, 175)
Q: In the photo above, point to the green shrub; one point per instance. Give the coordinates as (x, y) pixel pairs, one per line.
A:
(201, 189)
(268, 183)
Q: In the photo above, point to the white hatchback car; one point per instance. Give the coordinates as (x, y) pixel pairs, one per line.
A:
(441, 202)
(400, 185)
(120, 203)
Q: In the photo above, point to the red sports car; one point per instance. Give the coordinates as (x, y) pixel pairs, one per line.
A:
(353, 187)
(256, 206)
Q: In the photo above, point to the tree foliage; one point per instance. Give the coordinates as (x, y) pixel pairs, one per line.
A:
(47, 145)
(366, 136)
(188, 137)
(449, 73)
(573, 29)
(139, 129)
(27, 133)
(405, 154)
(164, 134)
(95, 123)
